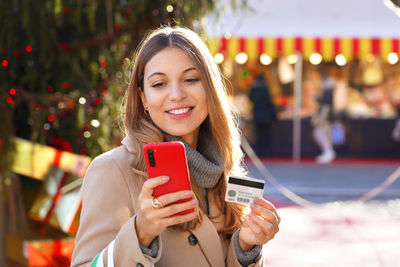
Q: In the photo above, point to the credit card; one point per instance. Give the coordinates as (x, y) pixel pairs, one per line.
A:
(243, 190)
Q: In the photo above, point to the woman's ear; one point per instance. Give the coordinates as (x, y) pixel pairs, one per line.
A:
(143, 98)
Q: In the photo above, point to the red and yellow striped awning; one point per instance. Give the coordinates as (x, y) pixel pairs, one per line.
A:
(284, 46)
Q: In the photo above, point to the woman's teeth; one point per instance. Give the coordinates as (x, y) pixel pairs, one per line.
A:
(179, 110)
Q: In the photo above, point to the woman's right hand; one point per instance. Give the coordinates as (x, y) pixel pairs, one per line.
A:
(150, 221)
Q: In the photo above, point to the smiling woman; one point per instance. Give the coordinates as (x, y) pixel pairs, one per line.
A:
(176, 93)
(175, 97)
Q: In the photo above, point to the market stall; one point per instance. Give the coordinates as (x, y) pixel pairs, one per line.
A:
(361, 38)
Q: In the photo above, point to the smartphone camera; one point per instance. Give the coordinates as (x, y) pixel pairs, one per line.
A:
(150, 153)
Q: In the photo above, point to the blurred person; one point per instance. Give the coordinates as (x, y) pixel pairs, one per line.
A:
(393, 89)
(396, 129)
(175, 93)
(264, 114)
(322, 120)
(243, 106)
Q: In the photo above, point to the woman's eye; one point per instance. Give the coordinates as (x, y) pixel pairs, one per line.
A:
(192, 80)
(158, 84)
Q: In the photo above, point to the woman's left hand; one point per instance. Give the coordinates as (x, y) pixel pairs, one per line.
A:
(260, 225)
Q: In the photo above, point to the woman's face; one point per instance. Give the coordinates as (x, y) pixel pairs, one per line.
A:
(174, 94)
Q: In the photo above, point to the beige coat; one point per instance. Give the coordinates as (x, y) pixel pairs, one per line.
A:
(107, 223)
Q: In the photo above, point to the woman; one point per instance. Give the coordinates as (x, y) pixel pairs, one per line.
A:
(175, 93)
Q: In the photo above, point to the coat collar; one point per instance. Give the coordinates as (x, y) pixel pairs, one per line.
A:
(209, 242)
(128, 144)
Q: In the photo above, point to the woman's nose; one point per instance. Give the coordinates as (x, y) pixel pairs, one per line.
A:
(177, 92)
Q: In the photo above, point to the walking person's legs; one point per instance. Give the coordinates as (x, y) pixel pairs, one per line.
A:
(322, 136)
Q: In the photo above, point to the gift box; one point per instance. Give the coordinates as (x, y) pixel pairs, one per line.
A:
(50, 252)
(27, 251)
(56, 207)
(34, 160)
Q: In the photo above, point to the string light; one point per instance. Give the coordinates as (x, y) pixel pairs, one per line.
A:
(65, 85)
(50, 118)
(340, 60)
(61, 105)
(9, 100)
(86, 134)
(28, 48)
(97, 101)
(315, 58)
(82, 100)
(265, 59)
(170, 8)
(241, 58)
(219, 58)
(104, 92)
(103, 63)
(393, 58)
(4, 63)
(95, 123)
(13, 91)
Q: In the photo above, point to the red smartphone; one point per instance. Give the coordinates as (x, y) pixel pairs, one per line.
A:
(168, 158)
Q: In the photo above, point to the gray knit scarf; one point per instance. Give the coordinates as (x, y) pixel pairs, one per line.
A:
(205, 163)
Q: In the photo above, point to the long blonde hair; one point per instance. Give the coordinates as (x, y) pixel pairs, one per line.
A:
(221, 120)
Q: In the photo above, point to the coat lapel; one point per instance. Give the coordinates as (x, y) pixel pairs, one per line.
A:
(209, 242)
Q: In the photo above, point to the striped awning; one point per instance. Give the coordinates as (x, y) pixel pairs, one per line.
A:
(328, 48)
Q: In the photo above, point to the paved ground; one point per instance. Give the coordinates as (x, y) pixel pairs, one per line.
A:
(338, 234)
(337, 231)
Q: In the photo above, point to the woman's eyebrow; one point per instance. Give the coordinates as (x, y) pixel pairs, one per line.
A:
(189, 69)
(163, 74)
(155, 73)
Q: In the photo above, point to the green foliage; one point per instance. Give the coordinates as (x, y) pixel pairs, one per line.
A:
(60, 51)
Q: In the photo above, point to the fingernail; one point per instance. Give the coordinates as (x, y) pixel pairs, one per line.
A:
(194, 215)
(165, 178)
(253, 216)
(188, 193)
(194, 202)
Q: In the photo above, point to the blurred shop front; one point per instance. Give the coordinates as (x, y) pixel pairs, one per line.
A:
(357, 43)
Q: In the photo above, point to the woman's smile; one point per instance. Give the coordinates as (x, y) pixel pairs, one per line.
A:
(180, 113)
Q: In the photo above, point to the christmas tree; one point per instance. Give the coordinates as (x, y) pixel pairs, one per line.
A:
(62, 76)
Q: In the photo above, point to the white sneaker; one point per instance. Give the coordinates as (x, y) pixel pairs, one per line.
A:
(326, 157)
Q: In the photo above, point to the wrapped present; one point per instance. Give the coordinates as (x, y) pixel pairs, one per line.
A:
(34, 160)
(29, 251)
(50, 252)
(56, 207)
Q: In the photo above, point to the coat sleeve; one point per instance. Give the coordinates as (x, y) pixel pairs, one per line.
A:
(232, 258)
(107, 234)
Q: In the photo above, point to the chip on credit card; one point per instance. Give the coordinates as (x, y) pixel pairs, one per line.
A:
(243, 190)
